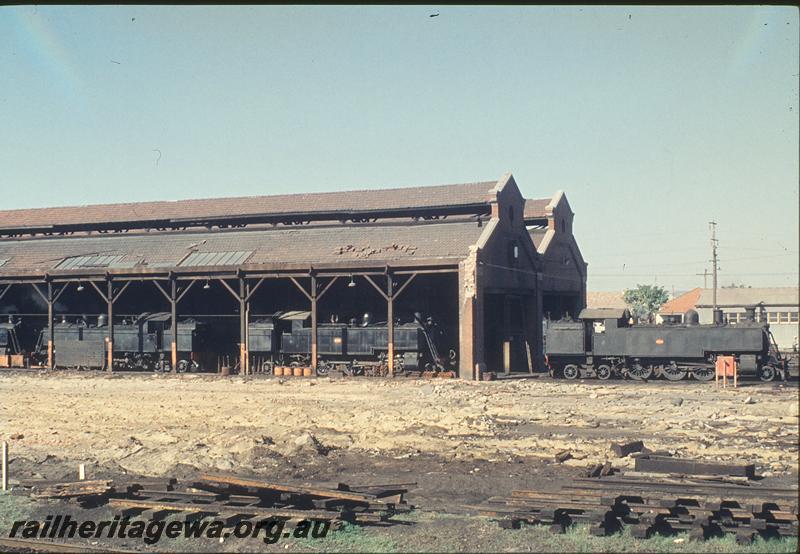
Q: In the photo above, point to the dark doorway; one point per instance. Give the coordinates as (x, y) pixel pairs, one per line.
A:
(504, 323)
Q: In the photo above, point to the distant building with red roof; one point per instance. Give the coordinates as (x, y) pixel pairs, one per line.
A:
(675, 309)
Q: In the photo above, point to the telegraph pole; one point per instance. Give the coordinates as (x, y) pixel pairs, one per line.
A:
(713, 227)
(705, 278)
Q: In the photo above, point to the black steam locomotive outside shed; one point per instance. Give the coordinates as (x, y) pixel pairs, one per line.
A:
(602, 344)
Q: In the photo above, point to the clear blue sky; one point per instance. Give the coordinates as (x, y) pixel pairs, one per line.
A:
(653, 120)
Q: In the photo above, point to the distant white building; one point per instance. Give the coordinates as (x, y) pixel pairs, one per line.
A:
(778, 306)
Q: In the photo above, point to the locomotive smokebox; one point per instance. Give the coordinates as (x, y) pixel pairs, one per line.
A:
(750, 313)
(691, 317)
(718, 317)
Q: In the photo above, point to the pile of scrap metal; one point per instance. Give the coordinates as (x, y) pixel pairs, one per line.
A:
(231, 497)
(706, 500)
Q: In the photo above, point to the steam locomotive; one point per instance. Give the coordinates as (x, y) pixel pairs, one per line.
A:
(355, 348)
(144, 343)
(9, 343)
(602, 344)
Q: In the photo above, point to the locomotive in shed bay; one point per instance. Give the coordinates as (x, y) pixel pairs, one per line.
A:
(354, 348)
(141, 344)
(359, 347)
(603, 344)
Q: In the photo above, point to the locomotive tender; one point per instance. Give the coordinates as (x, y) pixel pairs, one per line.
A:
(353, 348)
(602, 344)
(143, 344)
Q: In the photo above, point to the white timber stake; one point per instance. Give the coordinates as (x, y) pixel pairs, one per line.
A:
(5, 466)
(82, 472)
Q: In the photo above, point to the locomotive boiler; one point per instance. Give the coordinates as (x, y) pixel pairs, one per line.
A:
(355, 348)
(602, 344)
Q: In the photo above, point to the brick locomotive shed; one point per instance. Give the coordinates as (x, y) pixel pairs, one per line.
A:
(460, 254)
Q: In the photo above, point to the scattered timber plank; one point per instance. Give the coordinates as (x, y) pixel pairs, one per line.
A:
(231, 480)
(617, 482)
(622, 450)
(73, 489)
(223, 509)
(661, 464)
(562, 456)
(686, 477)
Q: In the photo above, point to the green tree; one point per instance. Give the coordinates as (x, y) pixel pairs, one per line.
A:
(645, 300)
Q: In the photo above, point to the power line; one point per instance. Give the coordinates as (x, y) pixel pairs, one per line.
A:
(670, 264)
(591, 274)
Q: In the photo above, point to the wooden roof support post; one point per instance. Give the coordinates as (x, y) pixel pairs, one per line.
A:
(108, 298)
(173, 293)
(312, 298)
(50, 330)
(173, 297)
(50, 299)
(313, 321)
(243, 357)
(389, 316)
(315, 298)
(390, 321)
(390, 296)
(110, 305)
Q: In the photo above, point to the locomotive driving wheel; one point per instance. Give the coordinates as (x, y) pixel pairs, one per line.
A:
(570, 372)
(603, 372)
(703, 373)
(767, 373)
(672, 372)
(640, 372)
(323, 367)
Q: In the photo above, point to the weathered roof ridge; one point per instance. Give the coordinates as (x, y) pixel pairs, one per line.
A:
(355, 205)
(482, 186)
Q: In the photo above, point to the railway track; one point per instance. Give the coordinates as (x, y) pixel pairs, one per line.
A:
(42, 545)
(653, 506)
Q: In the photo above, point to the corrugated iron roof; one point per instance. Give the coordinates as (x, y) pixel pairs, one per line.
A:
(196, 259)
(292, 246)
(93, 260)
(192, 210)
(535, 208)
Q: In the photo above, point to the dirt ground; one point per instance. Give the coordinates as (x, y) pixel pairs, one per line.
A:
(459, 441)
